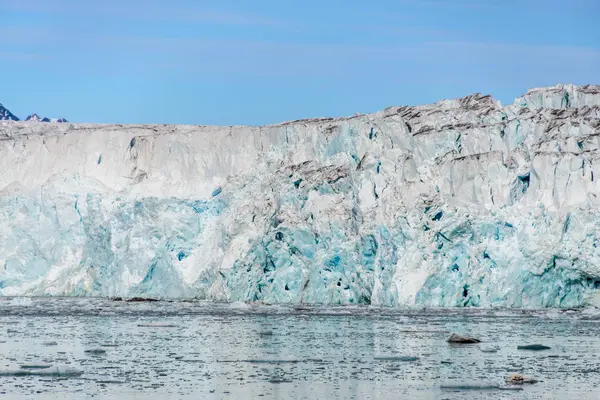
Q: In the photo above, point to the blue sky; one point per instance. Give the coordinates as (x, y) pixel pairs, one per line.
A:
(265, 61)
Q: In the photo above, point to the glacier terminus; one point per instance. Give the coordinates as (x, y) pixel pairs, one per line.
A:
(460, 203)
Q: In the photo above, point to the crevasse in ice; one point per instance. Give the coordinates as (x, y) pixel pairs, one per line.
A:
(459, 203)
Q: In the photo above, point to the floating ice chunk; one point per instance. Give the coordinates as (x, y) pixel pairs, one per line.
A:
(396, 358)
(111, 381)
(21, 301)
(517, 379)
(454, 338)
(95, 351)
(533, 347)
(470, 386)
(35, 366)
(272, 360)
(489, 348)
(61, 371)
(477, 386)
(239, 305)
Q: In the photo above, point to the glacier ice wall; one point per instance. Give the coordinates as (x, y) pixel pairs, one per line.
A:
(458, 203)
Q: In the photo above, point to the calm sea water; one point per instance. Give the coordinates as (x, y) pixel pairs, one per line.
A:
(196, 350)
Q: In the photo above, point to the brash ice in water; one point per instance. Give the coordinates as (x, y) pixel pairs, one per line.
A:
(76, 348)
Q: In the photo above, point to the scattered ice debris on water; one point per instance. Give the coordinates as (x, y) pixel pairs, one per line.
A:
(269, 360)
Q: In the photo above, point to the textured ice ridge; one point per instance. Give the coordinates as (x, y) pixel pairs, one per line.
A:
(459, 203)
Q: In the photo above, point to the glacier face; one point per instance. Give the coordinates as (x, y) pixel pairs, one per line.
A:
(459, 203)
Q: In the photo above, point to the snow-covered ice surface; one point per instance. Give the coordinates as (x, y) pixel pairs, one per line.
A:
(204, 350)
(459, 203)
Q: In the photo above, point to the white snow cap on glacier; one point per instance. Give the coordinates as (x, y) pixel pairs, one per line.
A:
(459, 203)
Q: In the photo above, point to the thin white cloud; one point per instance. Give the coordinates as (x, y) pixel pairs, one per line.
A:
(24, 56)
(65, 40)
(144, 11)
(526, 50)
(517, 5)
(461, 4)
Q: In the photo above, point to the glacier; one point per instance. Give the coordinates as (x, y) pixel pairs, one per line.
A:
(459, 203)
